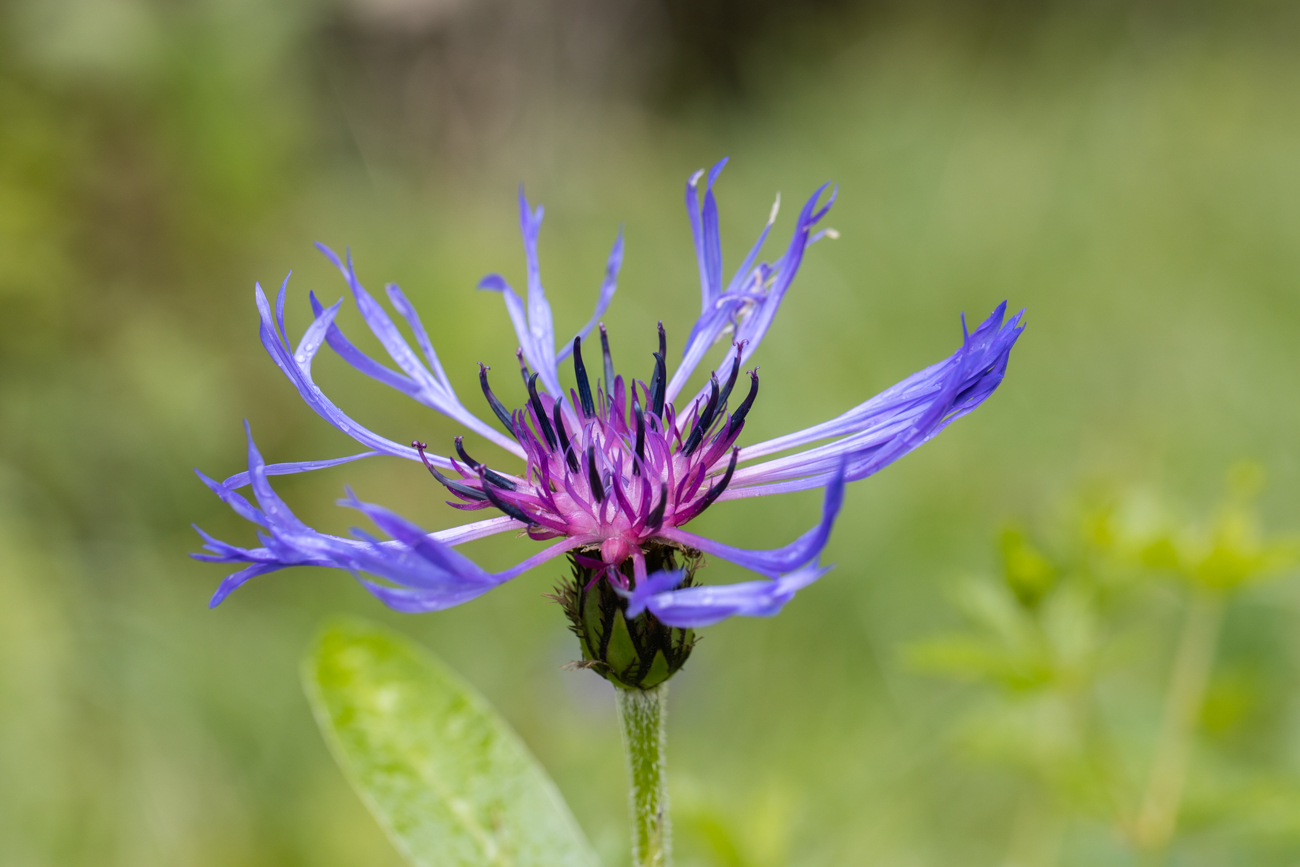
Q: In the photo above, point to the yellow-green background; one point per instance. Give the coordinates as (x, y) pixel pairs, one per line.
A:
(1130, 172)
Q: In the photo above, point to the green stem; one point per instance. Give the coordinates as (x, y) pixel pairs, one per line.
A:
(1159, 811)
(643, 715)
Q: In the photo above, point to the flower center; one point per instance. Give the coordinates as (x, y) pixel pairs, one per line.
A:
(610, 466)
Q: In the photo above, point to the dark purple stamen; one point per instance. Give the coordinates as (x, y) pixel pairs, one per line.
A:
(609, 362)
(716, 489)
(543, 423)
(658, 385)
(494, 477)
(735, 372)
(656, 518)
(509, 508)
(738, 418)
(593, 477)
(584, 386)
(498, 407)
(459, 488)
(640, 433)
(523, 365)
(569, 457)
(706, 418)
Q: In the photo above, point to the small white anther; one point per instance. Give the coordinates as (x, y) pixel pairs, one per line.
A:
(776, 206)
(833, 234)
(695, 178)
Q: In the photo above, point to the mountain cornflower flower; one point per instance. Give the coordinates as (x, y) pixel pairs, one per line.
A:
(610, 471)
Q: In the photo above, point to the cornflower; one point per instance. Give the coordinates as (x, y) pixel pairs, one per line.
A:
(612, 469)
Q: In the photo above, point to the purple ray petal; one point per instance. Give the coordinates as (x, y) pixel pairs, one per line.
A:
(747, 303)
(704, 226)
(516, 310)
(432, 389)
(988, 344)
(607, 288)
(774, 562)
(238, 480)
(300, 376)
(237, 502)
(427, 572)
(222, 552)
(695, 607)
(415, 542)
(652, 585)
(315, 334)
(407, 311)
(382, 326)
(235, 580)
(313, 396)
(477, 530)
(532, 318)
(440, 576)
(755, 326)
(362, 362)
(891, 424)
(406, 600)
(540, 325)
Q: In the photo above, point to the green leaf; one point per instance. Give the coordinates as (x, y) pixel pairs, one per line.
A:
(445, 776)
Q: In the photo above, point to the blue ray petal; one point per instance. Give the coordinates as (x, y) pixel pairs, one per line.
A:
(426, 572)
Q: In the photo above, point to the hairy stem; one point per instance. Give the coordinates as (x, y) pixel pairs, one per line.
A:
(1158, 814)
(643, 715)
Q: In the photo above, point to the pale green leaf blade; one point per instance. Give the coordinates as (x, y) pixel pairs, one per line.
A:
(447, 779)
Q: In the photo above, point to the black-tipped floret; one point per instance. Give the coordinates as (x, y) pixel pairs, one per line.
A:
(609, 362)
(584, 385)
(656, 517)
(658, 385)
(738, 418)
(464, 455)
(640, 433)
(716, 489)
(502, 414)
(705, 419)
(543, 423)
(569, 457)
(735, 372)
(460, 488)
(509, 508)
(495, 478)
(593, 476)
(523, 365)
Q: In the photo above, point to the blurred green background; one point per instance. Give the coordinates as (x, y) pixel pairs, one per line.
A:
(1129, 171)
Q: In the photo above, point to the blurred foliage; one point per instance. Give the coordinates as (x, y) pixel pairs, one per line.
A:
(1055, 640)
(1227, 552)
(1125, 170)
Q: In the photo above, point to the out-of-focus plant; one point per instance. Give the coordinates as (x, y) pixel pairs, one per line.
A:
(1049, 636)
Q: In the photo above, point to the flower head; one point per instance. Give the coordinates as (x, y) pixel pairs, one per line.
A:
(610, 470)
